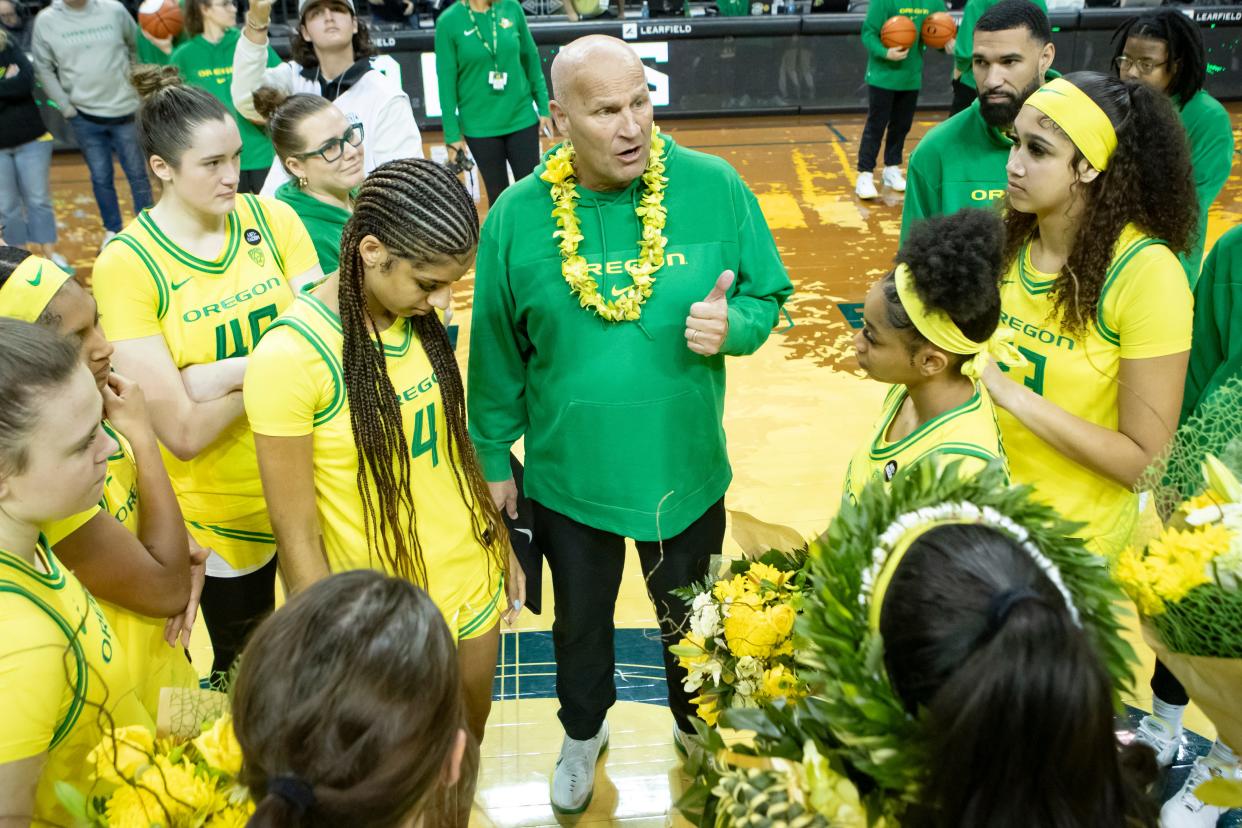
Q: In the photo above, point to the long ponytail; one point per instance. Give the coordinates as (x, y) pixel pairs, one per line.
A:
(1017, 701)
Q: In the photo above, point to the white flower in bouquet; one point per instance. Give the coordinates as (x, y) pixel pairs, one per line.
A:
(749, 667)
(1229, 566)
(705, 616)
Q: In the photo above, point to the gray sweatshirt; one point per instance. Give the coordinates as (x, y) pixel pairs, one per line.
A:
(82, 57)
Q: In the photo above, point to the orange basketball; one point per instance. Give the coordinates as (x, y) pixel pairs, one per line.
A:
(939, 29)
(161, 18)
(898, 32)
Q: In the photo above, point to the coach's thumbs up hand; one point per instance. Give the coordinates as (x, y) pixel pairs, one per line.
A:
(708, 322)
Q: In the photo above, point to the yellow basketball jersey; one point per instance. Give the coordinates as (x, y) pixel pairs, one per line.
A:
(207, 311)
(63, 676)
(968, 433)
(1145, 311)
(152, 663)
(295, 387)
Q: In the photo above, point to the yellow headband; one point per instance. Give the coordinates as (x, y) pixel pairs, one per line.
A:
(938, 329)
(1079, 117)
(26, 293)
(908, 528)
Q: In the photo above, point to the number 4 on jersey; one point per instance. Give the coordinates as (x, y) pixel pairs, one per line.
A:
(425, 437)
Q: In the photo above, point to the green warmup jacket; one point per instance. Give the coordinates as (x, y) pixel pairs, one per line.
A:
(1216, 347)
(897, 75)
(469, 104)
(323, 222)
(959, 163)
(209, 66)
(623, 422)
(966, 36)
(1210, 136)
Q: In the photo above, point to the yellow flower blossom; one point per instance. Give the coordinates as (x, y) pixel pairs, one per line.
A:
(759, 572)
(122, 754)
(1131, 573)
(219, 747)
(708, 709)
(831, 794)
(167, 794)
(738, 589)
(779, 682)
(235, 816)
(757, 631)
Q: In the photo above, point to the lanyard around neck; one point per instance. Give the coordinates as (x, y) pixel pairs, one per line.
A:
(489, 47)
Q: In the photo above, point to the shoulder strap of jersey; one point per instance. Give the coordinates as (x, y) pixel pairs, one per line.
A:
(152, 267)
(259, 212)
(1118, 266)
(81, 670)
(307, 331)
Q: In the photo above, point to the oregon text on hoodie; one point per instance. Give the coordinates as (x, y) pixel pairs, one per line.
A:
(623, 423)
(82, 57)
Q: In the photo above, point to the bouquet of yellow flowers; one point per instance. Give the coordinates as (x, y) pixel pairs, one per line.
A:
(140, 781)
(739, 649)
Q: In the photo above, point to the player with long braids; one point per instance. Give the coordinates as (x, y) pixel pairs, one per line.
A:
(358, 410)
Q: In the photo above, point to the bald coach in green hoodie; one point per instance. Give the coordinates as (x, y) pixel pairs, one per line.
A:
(622, 419)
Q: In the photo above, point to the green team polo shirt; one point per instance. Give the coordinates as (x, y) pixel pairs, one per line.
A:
(210, 66)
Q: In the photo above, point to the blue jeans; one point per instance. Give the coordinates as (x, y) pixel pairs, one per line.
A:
(98, 142)
(25, 202)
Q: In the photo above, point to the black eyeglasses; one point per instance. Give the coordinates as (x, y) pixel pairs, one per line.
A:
(1145, 66)
(332, 151)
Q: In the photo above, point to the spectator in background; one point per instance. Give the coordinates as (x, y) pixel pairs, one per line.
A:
(894, 77)
(82, 51)
(25, 157)
(14, 22)
(964, 91)
(206, 61)
(392, 11)
(1163, 49)
(332, 57)
(492, 91)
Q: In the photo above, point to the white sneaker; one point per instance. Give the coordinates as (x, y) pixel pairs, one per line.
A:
(1157, 735)
(689, 746)
(573, 781)
(894, 180)
(865, 188)
(108, 236)
(1185, 810)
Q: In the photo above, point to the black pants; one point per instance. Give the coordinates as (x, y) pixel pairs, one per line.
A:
(1166, 687)
(963, 97)
(520, 149)
(886, 110)
(251, 181)
(586, 566)
(232, 608)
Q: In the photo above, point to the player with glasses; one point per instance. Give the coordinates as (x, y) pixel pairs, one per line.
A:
(1163, 49)
(206, 61)
(323, 154)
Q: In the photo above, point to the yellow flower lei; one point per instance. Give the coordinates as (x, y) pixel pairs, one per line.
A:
(627, 302)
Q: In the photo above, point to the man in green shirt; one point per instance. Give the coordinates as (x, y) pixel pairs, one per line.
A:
(961, 162)
(964, 91)
(1164, 50)
(609, 287)
(894, 77)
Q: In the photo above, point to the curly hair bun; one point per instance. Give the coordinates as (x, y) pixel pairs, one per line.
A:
(267, 100)
(148, 80)
(957, 262)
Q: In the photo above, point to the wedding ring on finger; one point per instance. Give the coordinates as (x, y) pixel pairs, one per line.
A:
(694, 337)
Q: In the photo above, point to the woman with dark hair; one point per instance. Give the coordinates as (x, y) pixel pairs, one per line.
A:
(63, 675)
(929, 327)
(1100, 200)
(358, 410)
(1163, 49)
(143, 581)
(323, 154)
(332, 57)
(186, 291)
(348, 707)
(206, 61)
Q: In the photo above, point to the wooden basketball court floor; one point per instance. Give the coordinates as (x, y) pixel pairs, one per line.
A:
(795, 412)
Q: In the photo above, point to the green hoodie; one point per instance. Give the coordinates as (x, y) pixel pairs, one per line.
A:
(959, 163)
(1210, 136)
(323, 222)
(897, 75)
(623, 423)
(1216, 345)
(965, 47)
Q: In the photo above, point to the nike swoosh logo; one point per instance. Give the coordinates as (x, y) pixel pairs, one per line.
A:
(529, 534)
(468, 32)
(182, 283)
(38, 278)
